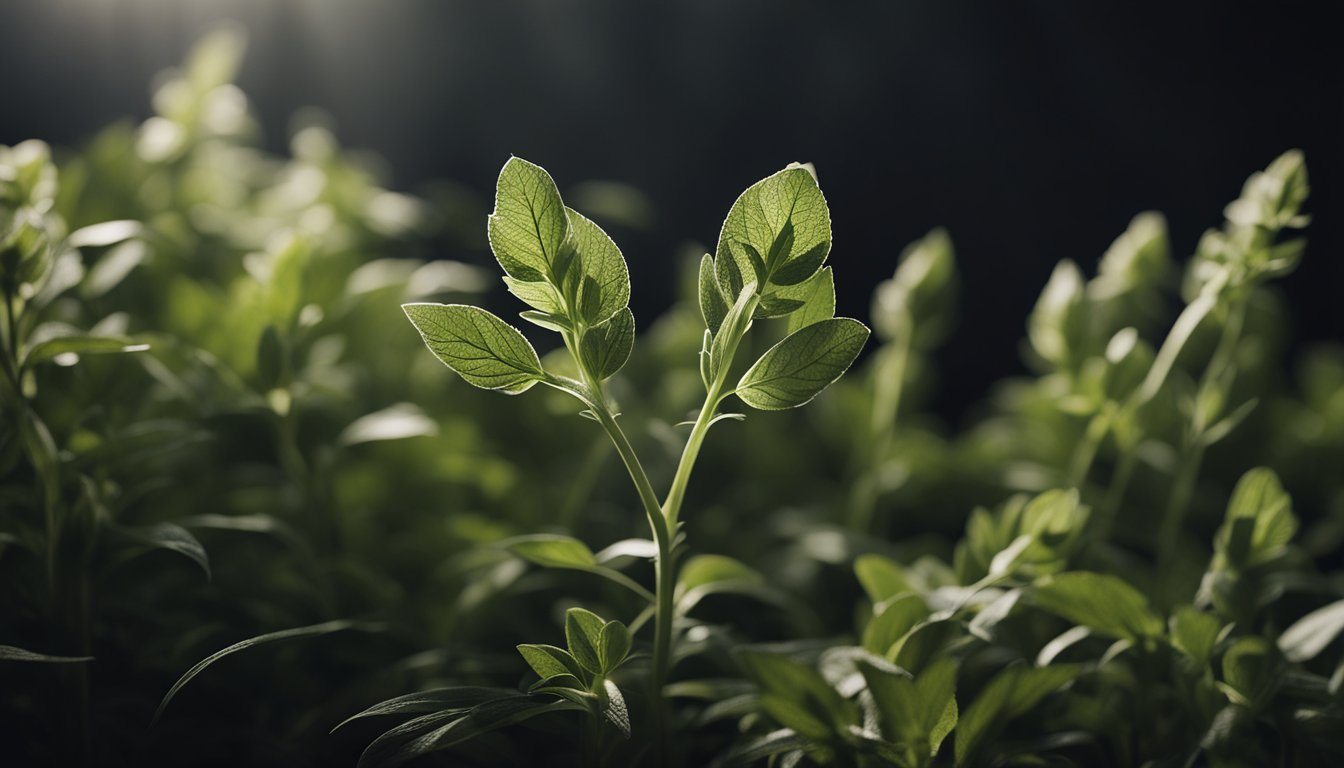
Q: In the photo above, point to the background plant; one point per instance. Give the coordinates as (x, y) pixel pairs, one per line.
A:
(377, 531)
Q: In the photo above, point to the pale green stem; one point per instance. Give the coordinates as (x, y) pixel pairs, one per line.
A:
(1097, 429)
(1183, 489)
(888, 387)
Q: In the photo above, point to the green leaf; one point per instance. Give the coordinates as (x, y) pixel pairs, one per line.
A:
(104, 234)
(797, 695)
(1250, 671)
(798, 368)
(431, 733)
(606, 347)
(172, 537)
(557, 323)
(792, 714)
(1057, 326)
(881, 578)
(10, 653)
(1262, 511)
(915, 712)
(325, 628)
(613, 646)
(1010, 694)
(456, 698)
(583, 634)
(111, 268)
(1309, 635)
(919, 298)
(1101, 602)
(768, 746)
(705, 575)
(395, 422)
(1194, 633)
(613, 707)
(893, 620)
(548, 661)
(539, 295)
(552, 550)
(734, 324)
(784, 216)
(705, 570)
(713, 307)
(817, 295)
(773, 305)
(482, 349)
(529, 224)
(606, 287)
(66, 350)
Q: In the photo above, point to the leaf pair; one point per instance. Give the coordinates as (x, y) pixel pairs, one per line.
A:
(769, 264)
(580, 675)
(916, 714)
(557, 262)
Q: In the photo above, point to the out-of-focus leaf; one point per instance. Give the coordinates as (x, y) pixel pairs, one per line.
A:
(172, 537)
(1309, 635)
(459, 698)
(396, 422)
(326, 627)
(10, 653)
(1103, 603)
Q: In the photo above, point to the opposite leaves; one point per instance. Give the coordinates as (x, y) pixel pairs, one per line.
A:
(479, 347)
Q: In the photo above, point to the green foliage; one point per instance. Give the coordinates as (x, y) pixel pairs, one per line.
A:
(482, 349)
(1086, 575)
(807, 361)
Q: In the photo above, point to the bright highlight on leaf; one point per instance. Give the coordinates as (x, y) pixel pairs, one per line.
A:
(479, 347)
(798, 368)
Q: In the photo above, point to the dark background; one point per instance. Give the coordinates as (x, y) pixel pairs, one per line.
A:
(1033, 131)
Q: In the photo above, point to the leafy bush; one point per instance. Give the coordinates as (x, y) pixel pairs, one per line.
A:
(239, 501)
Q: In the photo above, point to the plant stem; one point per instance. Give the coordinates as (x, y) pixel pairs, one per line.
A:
(888, 386)
(1183, 489)
(1110, 506)
(68, 590)
(1083, 458)
(662, 517)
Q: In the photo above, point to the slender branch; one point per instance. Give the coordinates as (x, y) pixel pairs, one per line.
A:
(1181, 492)
(888, 387)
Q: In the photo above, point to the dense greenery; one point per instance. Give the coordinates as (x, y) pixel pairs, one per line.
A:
(242, 506)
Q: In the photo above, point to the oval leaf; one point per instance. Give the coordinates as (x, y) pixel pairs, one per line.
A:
(783, 220)
(607, 346)
(1309, 635)
(529, 225)
(798, 368)
(583, 634)
(1100, 602)
(482, 349)
(552, 551)
(606, 287)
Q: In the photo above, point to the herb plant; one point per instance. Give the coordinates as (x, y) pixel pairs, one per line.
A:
(768, 264)
(238, 502)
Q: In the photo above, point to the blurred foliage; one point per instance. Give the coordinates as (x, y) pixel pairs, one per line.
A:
(216, 424)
